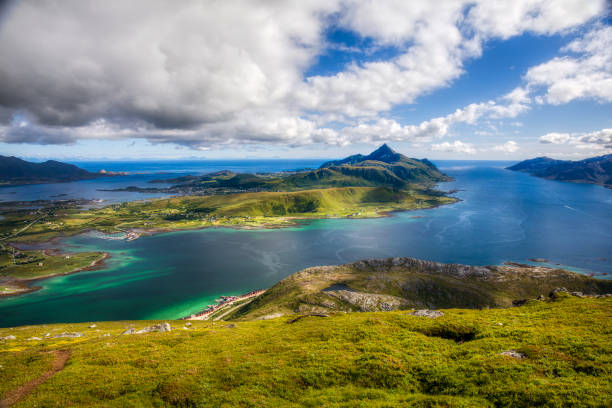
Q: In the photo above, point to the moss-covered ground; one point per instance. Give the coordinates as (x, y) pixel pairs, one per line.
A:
(382, 359)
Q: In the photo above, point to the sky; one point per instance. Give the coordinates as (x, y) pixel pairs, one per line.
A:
(448, 79)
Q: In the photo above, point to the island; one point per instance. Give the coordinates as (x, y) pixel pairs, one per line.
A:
(595, 170)
(379, 332)
(360, 186)
(15, 171)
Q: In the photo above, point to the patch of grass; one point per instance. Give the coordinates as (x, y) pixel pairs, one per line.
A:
(36, 264)
(416, 284)
(253, 210)
(380, 359)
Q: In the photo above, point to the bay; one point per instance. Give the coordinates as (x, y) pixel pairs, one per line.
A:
(140, 175)
(502, 216)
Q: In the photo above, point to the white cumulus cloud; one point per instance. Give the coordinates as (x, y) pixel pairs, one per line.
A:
(456, 147)
(587, 73)
(599, 139)
(509, 147)
(203, 73)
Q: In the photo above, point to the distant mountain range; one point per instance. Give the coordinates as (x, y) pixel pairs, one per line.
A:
(17, 171)
(596, 170)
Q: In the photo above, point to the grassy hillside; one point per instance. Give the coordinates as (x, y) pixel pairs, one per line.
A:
(404, 283)
(561, 352)
(381, 168)
(245, 210)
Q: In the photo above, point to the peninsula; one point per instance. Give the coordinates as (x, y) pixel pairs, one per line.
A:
(15, 171)
(596, 170)
(356, 187)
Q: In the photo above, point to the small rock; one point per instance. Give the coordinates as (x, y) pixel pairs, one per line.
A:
(106, 335)
(70, 335)
(519, 302)
(541, 297)
(93, 326)
(270, 316)
(577, 294)
(231, 326)
(163, 327)
(35, 338)
(513, 354)
(11, 337)
(557, 292)
(188, 324)
(129, 331)
(500, 324)
(432, 314)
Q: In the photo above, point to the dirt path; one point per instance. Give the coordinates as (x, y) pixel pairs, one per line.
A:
(19, 393)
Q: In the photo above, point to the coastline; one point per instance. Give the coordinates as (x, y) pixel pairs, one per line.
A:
(223, 303)
(135, 233)
(20, 286)
(25, 282)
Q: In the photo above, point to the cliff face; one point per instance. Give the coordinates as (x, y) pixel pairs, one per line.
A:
(596, 170)
(404, 283)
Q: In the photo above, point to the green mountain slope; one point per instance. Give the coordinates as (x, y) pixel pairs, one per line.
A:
(404, 283)
(554, 353)
(383, 167)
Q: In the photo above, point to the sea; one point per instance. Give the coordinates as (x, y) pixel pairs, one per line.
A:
(502, 216)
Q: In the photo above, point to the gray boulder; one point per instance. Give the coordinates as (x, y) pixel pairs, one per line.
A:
(432, 314)
(69, 335)
(513, 354)
(11, 337)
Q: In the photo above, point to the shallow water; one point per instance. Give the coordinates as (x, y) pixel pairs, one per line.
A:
(503, 216)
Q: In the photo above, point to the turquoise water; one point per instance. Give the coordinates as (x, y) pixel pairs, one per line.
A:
(503, 216)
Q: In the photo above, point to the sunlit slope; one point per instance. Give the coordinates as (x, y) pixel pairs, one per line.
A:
(243, 209)
(404, 283)
(561, 352)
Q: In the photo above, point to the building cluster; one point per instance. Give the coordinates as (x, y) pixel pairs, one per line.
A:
(223, 301)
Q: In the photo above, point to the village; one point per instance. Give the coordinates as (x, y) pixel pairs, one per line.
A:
(224, 302)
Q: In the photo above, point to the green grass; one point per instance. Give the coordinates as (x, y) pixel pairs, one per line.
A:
(412, 284)
(255, 210)
(35, 264)
(382, 359)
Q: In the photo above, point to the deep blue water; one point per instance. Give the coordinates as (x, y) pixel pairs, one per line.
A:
(503, 216)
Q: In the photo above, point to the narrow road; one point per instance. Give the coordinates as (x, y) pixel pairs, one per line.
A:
(24, 228)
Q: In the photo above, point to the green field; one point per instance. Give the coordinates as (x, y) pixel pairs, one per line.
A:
(255, 210)
(381, 359)
(17, 267)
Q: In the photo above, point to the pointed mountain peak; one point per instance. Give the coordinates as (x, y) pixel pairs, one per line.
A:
(383, 150)
(384, 154)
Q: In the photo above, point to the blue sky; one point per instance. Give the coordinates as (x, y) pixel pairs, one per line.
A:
(464, 80)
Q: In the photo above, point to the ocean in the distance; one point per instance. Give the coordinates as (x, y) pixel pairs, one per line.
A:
(140, 174)
(502, 216)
